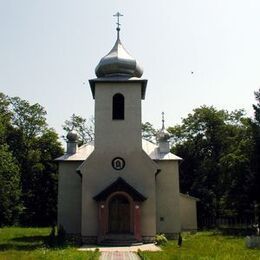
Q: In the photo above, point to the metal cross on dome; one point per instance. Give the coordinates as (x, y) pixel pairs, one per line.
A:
(118, 16)
(162, 120)
(118, 24)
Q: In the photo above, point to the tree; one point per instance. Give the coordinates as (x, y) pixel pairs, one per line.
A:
(28, 124)
(30, 147)
(148, 132)
(5, 116)
(216, 146)
(256, 152)
(10, 205)
(84, 128)
(44, 186)
(257, 107)
(30, 119)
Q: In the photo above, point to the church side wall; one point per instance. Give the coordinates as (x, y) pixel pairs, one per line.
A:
(69, 197)
(188, 213)
(168, 198)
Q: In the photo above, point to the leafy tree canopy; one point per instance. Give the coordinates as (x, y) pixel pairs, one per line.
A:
(28, 175)
(216, 146)
(84, 128)
(30, 119)
(148, 132)
(10, 191)
(255, 161)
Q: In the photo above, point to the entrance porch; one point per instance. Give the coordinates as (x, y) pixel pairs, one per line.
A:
(119, 207)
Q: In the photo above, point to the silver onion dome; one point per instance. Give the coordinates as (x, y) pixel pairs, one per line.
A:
(72, 136)
(163, 135)
(118, 62)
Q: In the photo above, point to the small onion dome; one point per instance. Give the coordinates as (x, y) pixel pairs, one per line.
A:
(118, 62)
(163, 135)
(72, 136)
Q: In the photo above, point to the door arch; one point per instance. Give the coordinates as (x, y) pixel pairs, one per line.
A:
(119, 214)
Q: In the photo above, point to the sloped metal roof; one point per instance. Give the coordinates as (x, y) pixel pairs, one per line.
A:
(151, 150)
(82, 154)
(189, 197)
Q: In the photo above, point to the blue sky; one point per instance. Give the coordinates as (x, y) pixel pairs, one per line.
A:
(49, 50)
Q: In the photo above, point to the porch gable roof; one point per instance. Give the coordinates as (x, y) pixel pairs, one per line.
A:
(119, 185)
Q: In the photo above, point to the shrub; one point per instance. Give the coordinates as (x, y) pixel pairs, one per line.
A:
(51, 239)
(161, 239)
(61, 238)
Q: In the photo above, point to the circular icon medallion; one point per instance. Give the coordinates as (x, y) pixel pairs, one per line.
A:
(118, 163)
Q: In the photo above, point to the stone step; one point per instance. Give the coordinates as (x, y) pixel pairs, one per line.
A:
(122, 239)
(120, 236)
(114, 242)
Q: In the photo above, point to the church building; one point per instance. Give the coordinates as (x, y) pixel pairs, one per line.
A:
(120, 188)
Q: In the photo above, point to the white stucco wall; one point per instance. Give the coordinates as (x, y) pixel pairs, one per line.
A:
(139, 172)
(69, 197)
(188, 207)
(167, 197)
(118, 138)
(118, 135)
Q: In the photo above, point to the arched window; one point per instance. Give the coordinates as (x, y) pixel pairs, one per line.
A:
(118, 107)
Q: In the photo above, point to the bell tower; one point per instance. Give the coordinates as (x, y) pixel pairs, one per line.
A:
(118, 183)
(118, 91)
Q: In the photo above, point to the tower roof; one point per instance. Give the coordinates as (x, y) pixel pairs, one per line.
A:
(118, 62)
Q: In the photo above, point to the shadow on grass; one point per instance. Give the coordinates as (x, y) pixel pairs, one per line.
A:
(26, 243)
(226, 235)
(236, 233)
(29, 243)
(31, 239)
(5, 247)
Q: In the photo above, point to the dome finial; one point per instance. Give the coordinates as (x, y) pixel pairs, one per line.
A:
(163, 120)
(118, 24)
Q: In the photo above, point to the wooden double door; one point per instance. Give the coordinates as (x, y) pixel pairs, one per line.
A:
(119, 215)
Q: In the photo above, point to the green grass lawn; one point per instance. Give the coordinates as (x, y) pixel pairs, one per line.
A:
(28, 243)
(205, 245)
